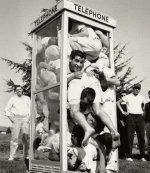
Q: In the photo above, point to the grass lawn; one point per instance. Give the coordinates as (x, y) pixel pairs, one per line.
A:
(20, 165)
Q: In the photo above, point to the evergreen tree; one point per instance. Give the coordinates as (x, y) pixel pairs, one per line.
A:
(25, 69)
(123, 70)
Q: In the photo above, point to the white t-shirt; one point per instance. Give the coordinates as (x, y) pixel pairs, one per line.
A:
(90, 157)
(134, 103)
(18, 106)
(108, 95)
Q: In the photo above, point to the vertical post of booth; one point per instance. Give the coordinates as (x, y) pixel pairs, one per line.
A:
(63, 94)
(32, 111)
(112, 66)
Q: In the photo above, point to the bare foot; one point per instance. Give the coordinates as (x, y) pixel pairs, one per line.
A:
(115, 136)
(115, 140)
(87, 135)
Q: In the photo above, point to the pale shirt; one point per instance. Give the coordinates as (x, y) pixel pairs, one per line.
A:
(90, 157)
(39, 128)
(18, 106)
(108, 95)
(92, 34)
(134, 103)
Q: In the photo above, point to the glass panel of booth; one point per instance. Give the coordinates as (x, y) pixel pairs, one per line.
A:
(47, 125)
(46, 95)
(48, 54)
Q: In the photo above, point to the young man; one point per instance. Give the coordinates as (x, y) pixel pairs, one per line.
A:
(135, 122)
(147, 125)
(79, 81)
(18, 111)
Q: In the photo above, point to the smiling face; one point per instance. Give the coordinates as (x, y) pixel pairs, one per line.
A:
(76, 64)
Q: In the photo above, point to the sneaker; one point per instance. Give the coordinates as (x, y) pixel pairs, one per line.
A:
(143, 159)
(11, 158)
(129, 159)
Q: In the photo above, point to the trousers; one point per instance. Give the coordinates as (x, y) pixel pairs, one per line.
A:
(19, 125)
(147, 126)
(135, 123)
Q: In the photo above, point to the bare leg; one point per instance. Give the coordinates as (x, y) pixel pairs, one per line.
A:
(80, 119)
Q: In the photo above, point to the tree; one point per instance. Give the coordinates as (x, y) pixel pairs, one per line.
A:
(123, 70)
(25, 68)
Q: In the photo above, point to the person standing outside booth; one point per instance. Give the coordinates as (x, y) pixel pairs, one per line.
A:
(135, 122)
(147, 124)
(18, 111)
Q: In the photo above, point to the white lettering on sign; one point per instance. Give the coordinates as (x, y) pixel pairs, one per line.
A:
(45, 16)
(91, 13)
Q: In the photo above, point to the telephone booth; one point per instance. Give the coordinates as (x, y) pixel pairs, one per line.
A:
(49, 79)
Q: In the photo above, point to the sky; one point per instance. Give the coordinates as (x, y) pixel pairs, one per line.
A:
(133, 28)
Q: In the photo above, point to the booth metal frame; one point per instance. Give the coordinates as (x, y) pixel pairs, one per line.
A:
(67, 10)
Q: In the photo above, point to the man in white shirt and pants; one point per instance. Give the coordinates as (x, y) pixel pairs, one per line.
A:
(135, 122)
(18, 111)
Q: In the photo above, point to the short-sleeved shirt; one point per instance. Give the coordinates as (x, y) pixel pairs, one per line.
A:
(134, 103)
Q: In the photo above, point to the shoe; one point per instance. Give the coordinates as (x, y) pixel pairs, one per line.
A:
(11, 158)
(27, 157)
(129, 159)
(143, 159)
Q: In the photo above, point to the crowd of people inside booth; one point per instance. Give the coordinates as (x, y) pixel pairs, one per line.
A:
(90, 96)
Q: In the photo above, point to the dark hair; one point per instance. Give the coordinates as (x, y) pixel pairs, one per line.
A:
(75, 167)
(124, 91)
(149, 92)
(89, 94)
(77, 53)
(78, 132)
(41, 118)
(17, 86)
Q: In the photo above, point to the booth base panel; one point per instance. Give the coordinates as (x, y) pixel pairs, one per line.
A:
(38, 166)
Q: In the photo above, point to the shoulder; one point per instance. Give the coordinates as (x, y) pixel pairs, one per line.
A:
(142, 97)
(13, 98)
(26, 97)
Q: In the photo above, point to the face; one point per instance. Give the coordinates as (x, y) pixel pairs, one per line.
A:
(136, 91)
(91, 120)
(123, 94)
(76, 64)
(72, 159)
(19, 91)
(75, 140)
